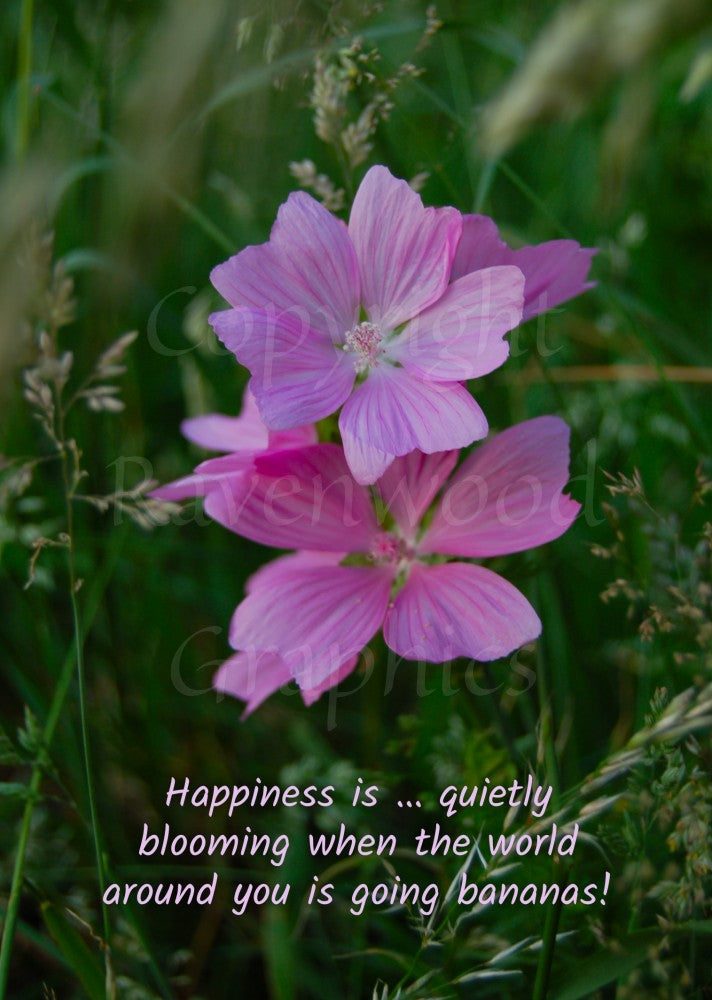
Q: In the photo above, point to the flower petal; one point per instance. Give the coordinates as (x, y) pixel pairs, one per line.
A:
(222, 433)
(308, 265)
(395, 412)
(458, 609)
(553, 271)
(234, 463)
(404, 250)
(460, 337)
(507, 496)
(253, 677)
(314, 619)
(310, 694)
(295, 437)
(365, 462)
(301, 498)
(298, 375)
(271, 572)
(206, 476)
(479, 246)
(410, 484)
(186, 488)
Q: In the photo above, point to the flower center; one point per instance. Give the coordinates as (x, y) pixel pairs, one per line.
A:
(364, 343)
(390, 550)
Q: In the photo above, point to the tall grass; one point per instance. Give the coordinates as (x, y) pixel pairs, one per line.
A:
(154, 141)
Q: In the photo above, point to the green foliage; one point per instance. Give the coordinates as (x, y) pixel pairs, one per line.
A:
(153, 140)
(78, 955)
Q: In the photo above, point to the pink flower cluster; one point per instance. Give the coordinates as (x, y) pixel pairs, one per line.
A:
(384, 319)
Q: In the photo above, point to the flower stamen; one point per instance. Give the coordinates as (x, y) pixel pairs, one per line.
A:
(364, 343)
(390, 550)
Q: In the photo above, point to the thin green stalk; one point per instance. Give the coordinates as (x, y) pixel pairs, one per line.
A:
(547, 734)
(546, 721)
(487, 175)
(8, 932)
(501, 719)
(546, 717)
(24, 71)
(79, 644)
(459, 84)
(79, 652)
(546, 956)
(533, 197)
(50, 726)
(64, 682)
(345, 168)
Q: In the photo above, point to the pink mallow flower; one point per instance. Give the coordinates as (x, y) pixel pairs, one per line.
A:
(243, 437)
(307, 616)
(366, 318)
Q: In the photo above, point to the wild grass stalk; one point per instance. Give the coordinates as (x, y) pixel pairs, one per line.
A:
(70, 480)
(45, 384)
(64, 682)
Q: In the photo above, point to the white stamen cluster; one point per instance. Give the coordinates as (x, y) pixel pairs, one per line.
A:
(364, 342)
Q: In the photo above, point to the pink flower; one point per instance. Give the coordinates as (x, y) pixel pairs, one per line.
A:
(307, 616)
(244, 437)
(553, 272)
(366, 318)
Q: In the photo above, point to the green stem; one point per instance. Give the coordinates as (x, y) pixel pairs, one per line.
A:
(487, 175)
(79, 653)
(61, 690)
(345, 168)
(546, 717)
(546, 722)
(533, 197)
(79, 643)
(501, 719)
(459, 84)
(546, 956)
(49, 729)
(13, 905)
(24, 71)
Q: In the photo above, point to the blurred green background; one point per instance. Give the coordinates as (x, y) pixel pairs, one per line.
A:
(153, 140)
